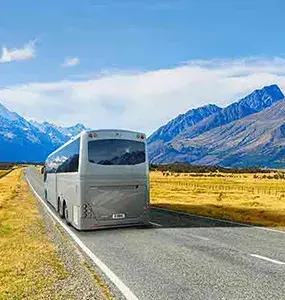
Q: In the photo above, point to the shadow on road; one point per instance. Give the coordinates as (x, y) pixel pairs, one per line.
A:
(173, 219)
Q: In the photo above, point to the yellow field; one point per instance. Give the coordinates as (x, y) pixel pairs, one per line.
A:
(250, 198)
(29, 264)
(3, 173)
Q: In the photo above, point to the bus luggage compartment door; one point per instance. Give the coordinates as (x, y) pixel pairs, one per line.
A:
(118, 202)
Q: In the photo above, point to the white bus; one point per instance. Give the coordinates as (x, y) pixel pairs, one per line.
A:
(100, 179)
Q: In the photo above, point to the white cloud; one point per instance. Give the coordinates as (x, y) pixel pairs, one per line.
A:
(27, 52)
(143, 100)
(71, 62)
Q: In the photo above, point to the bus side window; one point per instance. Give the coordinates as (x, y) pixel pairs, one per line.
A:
(71, 158)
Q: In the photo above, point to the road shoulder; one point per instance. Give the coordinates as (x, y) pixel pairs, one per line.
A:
(38, 260)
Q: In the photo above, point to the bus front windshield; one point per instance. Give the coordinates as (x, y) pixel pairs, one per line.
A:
(116, 152)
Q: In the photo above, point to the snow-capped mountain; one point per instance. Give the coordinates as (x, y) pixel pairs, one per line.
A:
(7, 114)
(52, 131)
(22, 140)
(58, 133)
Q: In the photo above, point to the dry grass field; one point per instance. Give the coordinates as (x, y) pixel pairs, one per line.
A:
(29, 264)
(250, 198)
(34, 262)
(3, 173)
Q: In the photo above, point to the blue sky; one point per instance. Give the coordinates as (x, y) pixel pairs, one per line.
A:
(124, 37)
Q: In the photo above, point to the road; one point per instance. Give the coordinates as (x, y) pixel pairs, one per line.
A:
(189, 257)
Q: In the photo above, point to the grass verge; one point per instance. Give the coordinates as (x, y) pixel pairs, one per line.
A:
(247, 198)
(37, 260)
(4, 173)
(29, 263)
(105, 289)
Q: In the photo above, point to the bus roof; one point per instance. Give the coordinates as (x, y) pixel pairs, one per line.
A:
(112, 130)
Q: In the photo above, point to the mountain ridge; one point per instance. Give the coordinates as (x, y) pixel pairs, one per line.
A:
(180, 147)
(191, 117)
(22, 140)
(249, 132)
(252, 103)
(258, 139)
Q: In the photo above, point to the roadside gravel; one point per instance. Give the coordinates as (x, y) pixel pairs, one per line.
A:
(82, 281)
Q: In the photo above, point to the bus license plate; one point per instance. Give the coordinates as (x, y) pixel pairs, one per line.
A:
(118, 216)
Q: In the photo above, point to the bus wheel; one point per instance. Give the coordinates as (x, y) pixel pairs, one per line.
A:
(45, 197)
(60, 209)
(65, 213)
(58, 205)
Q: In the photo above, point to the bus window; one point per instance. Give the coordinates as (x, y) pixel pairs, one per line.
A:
(66, 160)
(116, 152)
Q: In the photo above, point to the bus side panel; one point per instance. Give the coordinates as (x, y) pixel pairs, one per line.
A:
(51, 187)
(68, 187)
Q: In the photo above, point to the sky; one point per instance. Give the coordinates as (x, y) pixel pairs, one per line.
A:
(135, 64)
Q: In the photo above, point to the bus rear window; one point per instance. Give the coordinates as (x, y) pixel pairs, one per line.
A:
(116, 152)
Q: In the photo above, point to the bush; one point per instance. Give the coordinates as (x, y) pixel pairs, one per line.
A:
(188, 168)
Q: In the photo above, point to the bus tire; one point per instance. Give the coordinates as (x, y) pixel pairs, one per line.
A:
(65, 213)
(58, 204)
(45, 196)
(146, 225)
(60, 208)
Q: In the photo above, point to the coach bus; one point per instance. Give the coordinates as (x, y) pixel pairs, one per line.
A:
(100, 179)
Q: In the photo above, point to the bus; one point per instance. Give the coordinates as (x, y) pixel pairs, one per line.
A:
(100, 179)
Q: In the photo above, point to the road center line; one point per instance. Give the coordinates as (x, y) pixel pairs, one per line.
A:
(155, 224)
(199, 237)
(115, 279)
(267, 259)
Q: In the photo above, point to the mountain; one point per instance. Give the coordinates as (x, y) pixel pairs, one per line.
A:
(58, 134)
(256, 140)
(7, 114)
(250, 132)
(253, 103)
(57, 137)
(21, 140)
(182, 122)
(72, 130)
(178, 125)
(192, 144)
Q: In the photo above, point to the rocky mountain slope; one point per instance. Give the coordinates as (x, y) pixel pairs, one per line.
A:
(257, 140)
(221, 137)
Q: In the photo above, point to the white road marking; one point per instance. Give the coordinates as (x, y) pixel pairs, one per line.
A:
(219, 220)
(268, 259)
(129, 295)
(155, 224)
(199, 237)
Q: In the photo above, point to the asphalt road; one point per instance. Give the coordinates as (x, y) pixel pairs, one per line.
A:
(188, 257)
